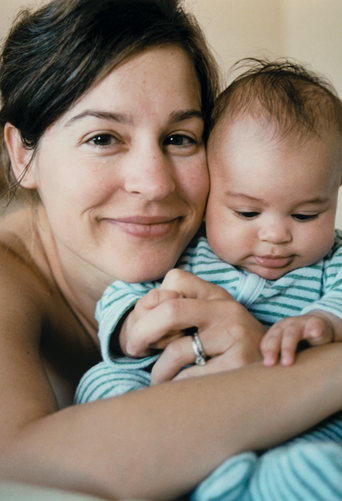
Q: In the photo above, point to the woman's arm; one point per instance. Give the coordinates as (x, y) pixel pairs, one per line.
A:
(154, 444)
(160, 442)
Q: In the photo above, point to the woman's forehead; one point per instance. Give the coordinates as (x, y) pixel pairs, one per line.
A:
(159, 80)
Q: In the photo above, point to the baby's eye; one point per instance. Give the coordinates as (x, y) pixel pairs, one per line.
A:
(304, 217)
(103, 140)
(179, 140)
(247, 214)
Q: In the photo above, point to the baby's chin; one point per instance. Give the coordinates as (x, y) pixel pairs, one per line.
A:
(268, 273)
(271, 273)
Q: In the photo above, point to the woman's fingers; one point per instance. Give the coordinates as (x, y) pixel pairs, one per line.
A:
(152, 299)
(163, 315)
(180, 354)
(224, 327)
(229, 343)
(230, 359)
(223, 351)
(171, 315)
(179, 315)
(189, 286)
(174, 358)
(143, 307)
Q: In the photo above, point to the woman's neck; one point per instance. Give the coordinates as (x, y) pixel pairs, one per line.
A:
(81, 285)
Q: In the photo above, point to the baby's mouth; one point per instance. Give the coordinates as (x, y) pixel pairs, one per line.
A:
(273, 262)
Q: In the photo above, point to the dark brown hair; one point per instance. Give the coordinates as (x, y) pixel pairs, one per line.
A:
(55, 54)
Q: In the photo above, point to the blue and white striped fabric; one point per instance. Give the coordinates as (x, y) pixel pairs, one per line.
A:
(303, 290)
(106, 380)
(308, 468)
(298, 292)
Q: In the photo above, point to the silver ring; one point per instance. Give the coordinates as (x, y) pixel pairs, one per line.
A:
(198, 350)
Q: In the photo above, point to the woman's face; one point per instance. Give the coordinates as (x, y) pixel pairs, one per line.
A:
(123, 174)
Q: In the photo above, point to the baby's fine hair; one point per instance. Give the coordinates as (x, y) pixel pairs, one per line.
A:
(294, 99)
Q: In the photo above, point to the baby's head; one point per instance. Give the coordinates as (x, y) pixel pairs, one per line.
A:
(275, 162)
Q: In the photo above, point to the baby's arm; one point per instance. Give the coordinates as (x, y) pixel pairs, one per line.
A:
(316, 328)
(118, 373)
(122, 305)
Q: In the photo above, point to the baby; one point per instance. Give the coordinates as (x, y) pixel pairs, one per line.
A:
(275, 163)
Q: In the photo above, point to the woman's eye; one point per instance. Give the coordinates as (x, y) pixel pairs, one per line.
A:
(247, 214)
(304, 217)
(179, 140)
(102, 140)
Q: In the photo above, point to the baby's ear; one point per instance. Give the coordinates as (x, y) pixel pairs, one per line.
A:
(20, 157)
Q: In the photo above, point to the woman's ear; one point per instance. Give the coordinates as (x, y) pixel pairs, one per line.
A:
(20, 157)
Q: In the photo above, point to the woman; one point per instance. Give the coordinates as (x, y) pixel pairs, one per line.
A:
(105, 115)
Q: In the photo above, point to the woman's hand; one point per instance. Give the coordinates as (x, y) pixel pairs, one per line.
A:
(229, 334)
(134, 343)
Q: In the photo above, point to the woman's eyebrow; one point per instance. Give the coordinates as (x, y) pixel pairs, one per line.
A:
(106, 115)
(181, 115)
(175, 116)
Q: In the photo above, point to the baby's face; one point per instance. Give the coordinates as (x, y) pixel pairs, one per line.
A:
(272, 201)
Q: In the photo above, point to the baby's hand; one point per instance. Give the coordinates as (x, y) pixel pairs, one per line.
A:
(283, 337)
(142, 307)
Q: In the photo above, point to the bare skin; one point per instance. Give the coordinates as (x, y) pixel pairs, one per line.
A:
(152, 324)
(65, 448)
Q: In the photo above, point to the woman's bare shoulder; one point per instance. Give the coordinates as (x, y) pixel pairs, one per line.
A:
(19, 252)
(17, 230)
(22, 255)
(25, 290)
(35, 317)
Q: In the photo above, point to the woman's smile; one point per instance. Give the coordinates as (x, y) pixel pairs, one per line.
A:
(145, 227)
(132, 180)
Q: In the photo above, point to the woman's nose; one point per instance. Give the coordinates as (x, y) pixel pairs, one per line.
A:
(150, 174)
(275, 232)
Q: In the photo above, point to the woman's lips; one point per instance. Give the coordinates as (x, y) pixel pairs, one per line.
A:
(144, 227)
(273, 262)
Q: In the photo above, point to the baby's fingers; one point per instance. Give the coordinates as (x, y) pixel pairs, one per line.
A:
(283, 339)
(270, 346)
(284, 336)
(292, 335)
(318, 330)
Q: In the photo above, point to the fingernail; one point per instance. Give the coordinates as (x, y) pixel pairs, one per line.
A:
(286, 360)
(268, 360)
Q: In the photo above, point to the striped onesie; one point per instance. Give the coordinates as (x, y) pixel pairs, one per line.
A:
(279, 473)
